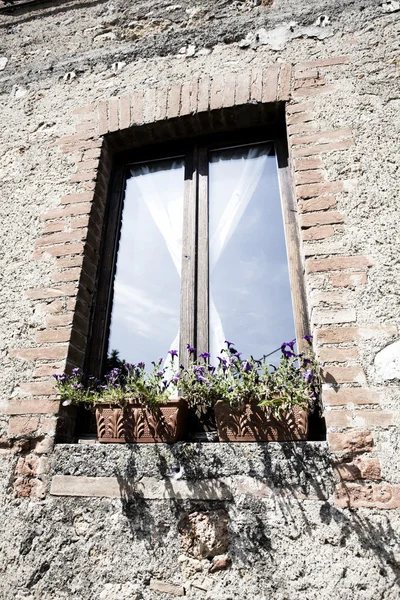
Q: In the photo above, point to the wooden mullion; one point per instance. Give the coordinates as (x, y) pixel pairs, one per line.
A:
(188, 272)
(292, 235)
(202, 254)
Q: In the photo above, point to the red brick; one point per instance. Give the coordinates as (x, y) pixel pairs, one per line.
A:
(299, 107)
(174, 101)
(92, 153)
(217, 92)
(324, 62)
(23, 425)
(329, 316)
(87, 126)
(124, 112)
(194, 95)
(203, 94)
(33, 406)
(87, 165)
(81, 146)
(242, 90)
(185, 99)
(70, 261)
(285, 78)
(73, 139)
(340, 335)
(270, 84)
(149, 105)
(343, 396)
(322, 148)
(337, 264)
(319, 189)
(41, 353)
(39, 388)
(307, 127)
(328, 355)
(77, 198)
(61, 237)
(354, 495)
(370, 419)
(59, 250)
(348, 279)
(256, 81)
(60, 320)
(299, 118)
(315, 204)
(322, 137)
(229, 90)
(83, 110)
(53, 292)
(54, 226)
(48, 369)
(312, 92)
(308, 82)
(70, 210)
(318, 233)
(350, 442)
(331, 297)
(84, 176)
(53, 335)
(56, 306)
(113, 123)
(137, 108)
(361, 467)
(161, 104)
(305, 73)
(305, 177)
(307, 164)
(67, 275)
(343, 375)
(79, 222)
(329, 217)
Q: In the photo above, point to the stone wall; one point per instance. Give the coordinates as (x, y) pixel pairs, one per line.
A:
(80, 80)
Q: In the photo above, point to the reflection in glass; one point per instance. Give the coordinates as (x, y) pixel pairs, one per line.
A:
(250, 299)
(145, 310)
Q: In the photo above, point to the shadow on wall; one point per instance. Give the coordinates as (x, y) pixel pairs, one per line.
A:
(266, 493)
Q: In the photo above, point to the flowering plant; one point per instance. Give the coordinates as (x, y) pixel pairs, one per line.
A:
(295, 381)
(124, 382)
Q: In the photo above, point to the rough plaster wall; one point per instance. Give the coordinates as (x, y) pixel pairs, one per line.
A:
(159, 44)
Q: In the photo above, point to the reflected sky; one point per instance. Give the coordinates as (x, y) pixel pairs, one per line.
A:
(249, 279)
(145, 311)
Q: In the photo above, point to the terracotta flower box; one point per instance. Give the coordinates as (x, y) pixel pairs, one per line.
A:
(139, 425)
(255, 423)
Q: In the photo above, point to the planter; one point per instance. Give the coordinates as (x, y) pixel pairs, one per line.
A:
(255, 423)
(135, 424)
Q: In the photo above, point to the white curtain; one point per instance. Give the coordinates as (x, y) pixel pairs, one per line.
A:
(247, 172)
(159, 192)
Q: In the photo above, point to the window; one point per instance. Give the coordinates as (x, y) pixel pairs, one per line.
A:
(200, 246)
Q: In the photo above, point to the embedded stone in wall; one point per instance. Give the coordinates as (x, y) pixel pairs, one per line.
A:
(3, 62)
(387, 362)
(204, 534)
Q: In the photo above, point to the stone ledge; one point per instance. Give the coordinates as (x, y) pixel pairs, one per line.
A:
(148, 488)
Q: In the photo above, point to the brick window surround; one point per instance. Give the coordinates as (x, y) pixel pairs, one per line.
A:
(72, 233)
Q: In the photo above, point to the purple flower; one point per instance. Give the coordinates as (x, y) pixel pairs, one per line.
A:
(160, 373)
(190, 349)
(173, 353)
(229, 344)
(211, 369)
(288, 353)
(176, 378)
(202, 379)
(246, 366)
(308, 375)
(290, 344)
(308, 338)
(237, 355)
(141, 365)
(205, 355)
(76, 372)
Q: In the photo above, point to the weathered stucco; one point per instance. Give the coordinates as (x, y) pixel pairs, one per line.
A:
(287, 537)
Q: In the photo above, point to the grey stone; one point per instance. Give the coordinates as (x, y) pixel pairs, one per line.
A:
(3, 62)
(387, 363)
(167, 588)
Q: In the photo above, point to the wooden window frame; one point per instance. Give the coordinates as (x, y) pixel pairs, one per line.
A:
(194, 326)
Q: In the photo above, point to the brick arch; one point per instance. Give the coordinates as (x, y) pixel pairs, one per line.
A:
(72, 233)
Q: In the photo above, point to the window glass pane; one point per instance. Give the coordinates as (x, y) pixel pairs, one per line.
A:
(145, 310)
(250, 299)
